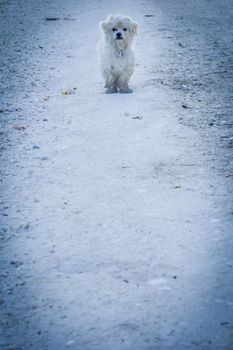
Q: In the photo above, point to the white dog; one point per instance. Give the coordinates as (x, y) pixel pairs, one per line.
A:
(117, 57)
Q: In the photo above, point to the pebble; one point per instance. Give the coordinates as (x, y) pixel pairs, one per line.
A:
(16, 263)
(70, 343)
(19, 127)
(138, 117)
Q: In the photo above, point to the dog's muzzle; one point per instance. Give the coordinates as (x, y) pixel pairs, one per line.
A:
(119, 36)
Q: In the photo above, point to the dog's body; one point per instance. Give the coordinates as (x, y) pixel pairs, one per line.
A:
(117, 57)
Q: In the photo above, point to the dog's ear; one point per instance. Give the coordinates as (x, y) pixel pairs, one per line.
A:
(134, 28)
(106, 26)
(103, 26)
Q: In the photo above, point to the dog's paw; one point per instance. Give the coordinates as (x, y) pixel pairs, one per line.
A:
(111, 90)
(125, 91)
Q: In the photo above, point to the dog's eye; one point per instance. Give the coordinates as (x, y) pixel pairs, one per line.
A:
(114, 29)
(125, 29)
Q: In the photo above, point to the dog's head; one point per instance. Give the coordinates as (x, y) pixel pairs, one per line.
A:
(119, 30)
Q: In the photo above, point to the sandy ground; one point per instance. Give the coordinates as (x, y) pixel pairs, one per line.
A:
(116, 210)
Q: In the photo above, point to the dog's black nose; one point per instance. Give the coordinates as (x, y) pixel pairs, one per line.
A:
(118, 35)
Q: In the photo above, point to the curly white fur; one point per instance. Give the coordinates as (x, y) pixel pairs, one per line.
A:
(116, 55)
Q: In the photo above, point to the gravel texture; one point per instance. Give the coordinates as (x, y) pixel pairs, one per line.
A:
(116, 210)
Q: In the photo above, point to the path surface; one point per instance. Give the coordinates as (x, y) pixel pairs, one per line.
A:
(116, 210)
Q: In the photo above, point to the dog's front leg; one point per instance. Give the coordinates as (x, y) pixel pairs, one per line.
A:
(111, 85)
(123, 86)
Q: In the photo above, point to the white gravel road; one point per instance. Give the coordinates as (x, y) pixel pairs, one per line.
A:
(116, 210)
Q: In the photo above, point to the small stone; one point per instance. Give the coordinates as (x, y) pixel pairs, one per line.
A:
(138, 117)
(70, 343)
(52, 18)
(67, 92)
(16, 263)
(19, 127)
